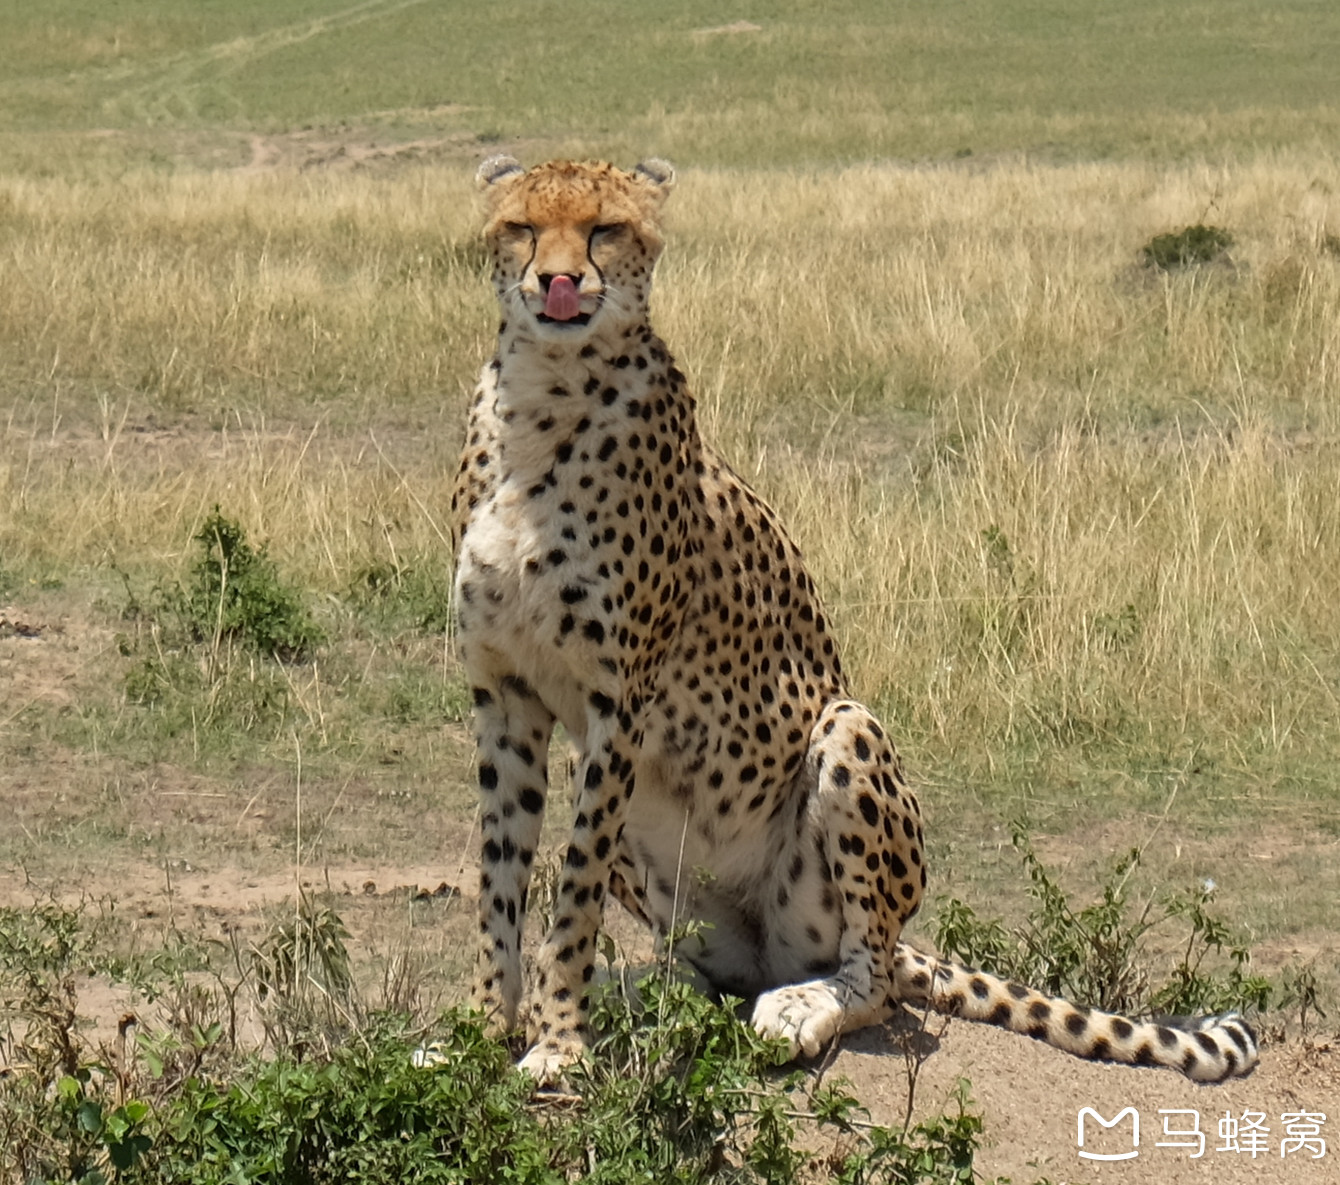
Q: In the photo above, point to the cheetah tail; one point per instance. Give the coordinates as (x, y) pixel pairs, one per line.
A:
(1205, 1049)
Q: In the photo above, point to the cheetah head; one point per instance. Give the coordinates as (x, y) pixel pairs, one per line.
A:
(573, 243)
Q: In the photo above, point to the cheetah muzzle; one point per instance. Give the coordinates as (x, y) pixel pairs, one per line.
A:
(615, 575)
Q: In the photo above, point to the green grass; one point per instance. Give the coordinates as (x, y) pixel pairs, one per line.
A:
(815, 85)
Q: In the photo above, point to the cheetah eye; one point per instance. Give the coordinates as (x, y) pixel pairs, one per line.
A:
(518, 229)
(608, 230)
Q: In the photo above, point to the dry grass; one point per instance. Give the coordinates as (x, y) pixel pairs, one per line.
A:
(213, 292)
(1075, 520)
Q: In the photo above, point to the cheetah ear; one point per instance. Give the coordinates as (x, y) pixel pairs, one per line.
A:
(658, 173)
(495, 169)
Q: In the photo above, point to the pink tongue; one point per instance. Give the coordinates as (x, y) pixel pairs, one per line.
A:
(562, 303)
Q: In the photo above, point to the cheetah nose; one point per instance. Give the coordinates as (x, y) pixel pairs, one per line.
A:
(561, 301)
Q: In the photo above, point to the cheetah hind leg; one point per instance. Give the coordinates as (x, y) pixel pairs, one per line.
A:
(867, 826)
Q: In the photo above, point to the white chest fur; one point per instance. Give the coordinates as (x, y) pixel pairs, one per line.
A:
(526, 555)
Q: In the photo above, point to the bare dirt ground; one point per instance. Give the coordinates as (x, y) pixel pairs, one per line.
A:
(172, 849)
(1030, 1098)
(320, 149)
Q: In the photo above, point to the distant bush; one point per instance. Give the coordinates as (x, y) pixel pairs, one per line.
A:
(1190, 245)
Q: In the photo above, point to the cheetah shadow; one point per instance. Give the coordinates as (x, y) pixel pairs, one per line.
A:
(906, 1034)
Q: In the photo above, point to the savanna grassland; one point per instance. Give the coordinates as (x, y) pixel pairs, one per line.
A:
(1076, 515)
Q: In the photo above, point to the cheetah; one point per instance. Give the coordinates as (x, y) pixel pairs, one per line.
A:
(614, 575)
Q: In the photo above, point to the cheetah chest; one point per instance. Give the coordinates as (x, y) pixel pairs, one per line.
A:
(515, 595)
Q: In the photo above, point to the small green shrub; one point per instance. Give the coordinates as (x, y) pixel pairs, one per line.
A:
(302, 974)
(56, 1122)
(1191, 991)
(1182, 248)
(235, 593)
(311, 946)
(938, 1151)
(1097, 955)
(213, 651)
(364, 1114)
(676, 1088)
(695, 1075)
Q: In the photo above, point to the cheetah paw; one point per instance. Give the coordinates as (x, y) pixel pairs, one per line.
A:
(428, 1057)
(805, 1015)
(546, 1062)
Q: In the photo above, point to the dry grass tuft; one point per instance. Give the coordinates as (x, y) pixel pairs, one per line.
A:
(1054, 499)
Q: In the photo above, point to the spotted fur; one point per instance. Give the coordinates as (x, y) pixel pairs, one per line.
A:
(615, 575)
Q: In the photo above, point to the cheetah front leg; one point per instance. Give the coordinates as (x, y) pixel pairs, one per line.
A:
(566, 961)
(512, 729)
(867, 826)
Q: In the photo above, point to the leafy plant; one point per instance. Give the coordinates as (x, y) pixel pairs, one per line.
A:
(1097, 955)
(56, 1121)
(216, 648)
(693, 1072)
(310, 947)
(1192, 991)
(713, 1107)
(364, 1114)
(40, 951)
(235, 593)
(939, 1151)
(304, 976)
(675, 1088)
(1301, 991)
